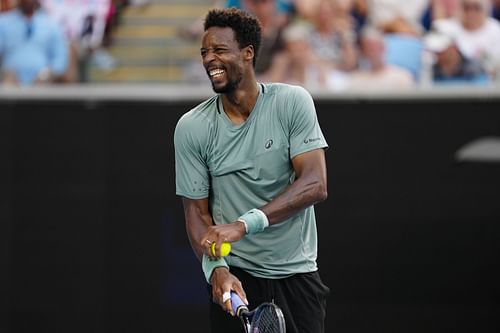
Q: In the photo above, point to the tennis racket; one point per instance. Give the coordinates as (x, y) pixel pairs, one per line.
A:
(266, 318)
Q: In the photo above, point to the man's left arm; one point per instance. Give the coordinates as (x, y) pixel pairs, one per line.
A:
(309, 187)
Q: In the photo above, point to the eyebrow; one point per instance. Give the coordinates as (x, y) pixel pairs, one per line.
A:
(214, 47)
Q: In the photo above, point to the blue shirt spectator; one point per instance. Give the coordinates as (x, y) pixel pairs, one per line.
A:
(33, 47)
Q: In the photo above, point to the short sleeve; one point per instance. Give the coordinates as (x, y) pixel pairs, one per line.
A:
(304, 130)
(191, 171)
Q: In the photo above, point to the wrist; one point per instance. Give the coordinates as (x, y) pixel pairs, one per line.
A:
(255, 221)
(210, 265)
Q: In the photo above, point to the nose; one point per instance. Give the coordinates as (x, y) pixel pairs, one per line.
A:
(208, 56)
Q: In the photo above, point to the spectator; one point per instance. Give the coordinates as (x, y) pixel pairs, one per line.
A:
(450, 65)
(333, 35)
(33, 48)
(298, 64)
(305, 9)
(397, 16)
(272, 20)
(84, 24)
(475, 32)
(373, 71)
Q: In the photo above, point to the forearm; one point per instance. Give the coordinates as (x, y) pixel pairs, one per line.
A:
(197, 223)
(304, 192)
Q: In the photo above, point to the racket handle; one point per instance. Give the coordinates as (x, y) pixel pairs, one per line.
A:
(237, 304)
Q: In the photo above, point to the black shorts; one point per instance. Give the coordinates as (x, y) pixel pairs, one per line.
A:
(301, 297)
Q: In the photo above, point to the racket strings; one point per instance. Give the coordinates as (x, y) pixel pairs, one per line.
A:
(269, 319)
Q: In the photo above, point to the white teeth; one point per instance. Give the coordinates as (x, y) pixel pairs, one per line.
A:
(216, 72)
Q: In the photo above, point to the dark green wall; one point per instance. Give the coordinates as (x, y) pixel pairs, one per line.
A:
(92, 235)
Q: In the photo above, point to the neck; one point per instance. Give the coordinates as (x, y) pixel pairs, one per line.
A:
(239, 104)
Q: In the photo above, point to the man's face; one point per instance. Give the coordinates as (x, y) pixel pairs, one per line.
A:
(222, 59)
(474, 14)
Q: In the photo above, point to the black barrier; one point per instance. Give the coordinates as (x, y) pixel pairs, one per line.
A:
(93, 236)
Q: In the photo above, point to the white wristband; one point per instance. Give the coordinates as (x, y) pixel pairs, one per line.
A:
(208, 265)
(255, 221)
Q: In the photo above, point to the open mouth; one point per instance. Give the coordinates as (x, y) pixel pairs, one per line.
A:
(216, 73)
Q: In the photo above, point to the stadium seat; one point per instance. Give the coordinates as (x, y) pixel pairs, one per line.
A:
(404, 51)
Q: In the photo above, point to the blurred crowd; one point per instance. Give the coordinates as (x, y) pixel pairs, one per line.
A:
(53, 41)
(365, 44)
(321, 44)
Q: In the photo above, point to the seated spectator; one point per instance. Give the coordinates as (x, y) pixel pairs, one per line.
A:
(272, 20)
(439, 9)
(476, 33)
(333, 34)
(84, 24)
(306, 9)
(33, 48)
(397, 16)
(450, 65)
(298, 64)
(373, 71)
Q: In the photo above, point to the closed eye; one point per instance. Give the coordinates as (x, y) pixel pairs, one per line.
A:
(217, 50)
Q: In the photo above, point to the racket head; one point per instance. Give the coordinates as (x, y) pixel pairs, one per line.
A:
(267, 318)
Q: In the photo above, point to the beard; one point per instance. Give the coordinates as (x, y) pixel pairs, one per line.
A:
(231, 84)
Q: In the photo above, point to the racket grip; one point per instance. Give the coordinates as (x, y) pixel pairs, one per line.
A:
(237, 304)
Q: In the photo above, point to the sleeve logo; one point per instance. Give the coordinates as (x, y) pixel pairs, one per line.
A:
(311, 140)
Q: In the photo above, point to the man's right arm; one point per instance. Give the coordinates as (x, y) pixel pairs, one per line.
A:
(198, 219)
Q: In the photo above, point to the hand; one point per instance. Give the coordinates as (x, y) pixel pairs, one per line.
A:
(223, 282)
(219, 234)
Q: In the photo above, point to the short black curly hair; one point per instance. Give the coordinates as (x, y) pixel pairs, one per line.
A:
(247, 28)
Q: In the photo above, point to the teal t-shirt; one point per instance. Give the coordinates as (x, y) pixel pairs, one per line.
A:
(240, 167)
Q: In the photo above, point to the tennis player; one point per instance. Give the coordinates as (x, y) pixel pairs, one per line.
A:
(250, 166)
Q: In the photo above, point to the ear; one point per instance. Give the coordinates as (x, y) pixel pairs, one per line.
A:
(249, 53)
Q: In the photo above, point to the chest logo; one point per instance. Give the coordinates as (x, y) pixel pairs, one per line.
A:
(269, 143)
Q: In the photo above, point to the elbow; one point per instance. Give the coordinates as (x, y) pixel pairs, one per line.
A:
(322, 195)
(321, 192)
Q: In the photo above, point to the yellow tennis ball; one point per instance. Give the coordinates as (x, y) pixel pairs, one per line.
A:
(225, 248)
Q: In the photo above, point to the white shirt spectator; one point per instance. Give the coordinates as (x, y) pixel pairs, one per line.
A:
(481, 44)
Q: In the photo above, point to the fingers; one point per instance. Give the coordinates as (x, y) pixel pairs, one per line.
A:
(239, 290)
(222, 285)
(213, 247)
(226, 302)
